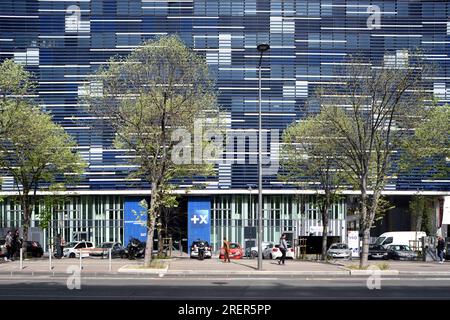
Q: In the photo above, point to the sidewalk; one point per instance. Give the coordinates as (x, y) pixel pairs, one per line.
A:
(185, 267)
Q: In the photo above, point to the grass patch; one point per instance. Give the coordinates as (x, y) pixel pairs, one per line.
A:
(381, 266)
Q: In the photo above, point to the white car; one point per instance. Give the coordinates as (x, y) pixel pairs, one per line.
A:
(339, 250)
(272, 251)
(72, 249)
(253, 251)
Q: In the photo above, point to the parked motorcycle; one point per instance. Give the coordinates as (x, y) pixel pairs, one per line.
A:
(135, 249)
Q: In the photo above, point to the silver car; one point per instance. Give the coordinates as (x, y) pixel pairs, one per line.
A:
(339, 251)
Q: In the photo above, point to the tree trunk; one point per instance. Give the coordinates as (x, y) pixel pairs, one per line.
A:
(160, 239)
(26, 212)
(324, 232)
(151, 219)
(365, 248)
(364, 224)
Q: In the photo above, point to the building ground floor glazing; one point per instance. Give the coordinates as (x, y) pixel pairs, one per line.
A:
(113, 218)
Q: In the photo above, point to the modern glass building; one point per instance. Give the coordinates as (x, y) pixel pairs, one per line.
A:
(62, 42)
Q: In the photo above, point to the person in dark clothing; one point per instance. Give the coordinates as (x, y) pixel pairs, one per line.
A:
(58, 243)
(8, 244)
(283, 248)
(440, 249)
(16, 244)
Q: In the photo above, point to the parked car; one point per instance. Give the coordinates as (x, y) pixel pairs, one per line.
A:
(117, 250)
(35, 249)
(2, 248)
(236, 251)
(377, 251)
(194, 249)
(252, 252)
(339, 250)
(272, 251)
(72, 249)
(401, 252)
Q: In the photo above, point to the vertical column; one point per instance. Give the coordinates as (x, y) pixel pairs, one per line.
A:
(199, 215)
(133, 228)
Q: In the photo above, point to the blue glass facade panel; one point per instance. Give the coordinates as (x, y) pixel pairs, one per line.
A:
(62, 42)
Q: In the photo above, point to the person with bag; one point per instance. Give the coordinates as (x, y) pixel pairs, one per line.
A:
(283, 248)
(8, 245)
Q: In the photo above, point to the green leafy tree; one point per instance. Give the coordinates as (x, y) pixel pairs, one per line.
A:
(372, 113)
(421, 209)
(309, 152)
(152, 99)
(34, 153)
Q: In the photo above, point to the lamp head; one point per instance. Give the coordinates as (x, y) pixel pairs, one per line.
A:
(263, 47)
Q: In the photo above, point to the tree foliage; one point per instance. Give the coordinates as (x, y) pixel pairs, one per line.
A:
(310, 159)
(145, 98)
(34, 150)
(371, 113)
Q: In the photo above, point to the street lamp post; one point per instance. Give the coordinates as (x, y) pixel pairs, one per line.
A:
(261, 49)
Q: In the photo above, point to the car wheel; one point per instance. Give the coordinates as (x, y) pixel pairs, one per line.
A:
(253, 254)
(72, 255)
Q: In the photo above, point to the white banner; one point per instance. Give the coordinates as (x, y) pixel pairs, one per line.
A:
(446, 213)
(353, 243)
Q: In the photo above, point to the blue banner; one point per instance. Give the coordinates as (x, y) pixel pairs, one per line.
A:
(199, 222)
(133, 228)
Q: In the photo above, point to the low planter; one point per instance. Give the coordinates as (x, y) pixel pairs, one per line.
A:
(155, 268)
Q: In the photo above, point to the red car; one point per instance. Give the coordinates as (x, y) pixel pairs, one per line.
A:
(236, 251)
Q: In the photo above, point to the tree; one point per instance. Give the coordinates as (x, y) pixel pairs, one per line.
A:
(36, 152)
(15, 86)
(422, 210)
(310, 153)
(152, 99)
(371, 113)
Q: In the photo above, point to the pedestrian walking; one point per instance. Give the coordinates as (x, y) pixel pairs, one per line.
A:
(16, 244)
(58, 243)
(440, 249)
(226, 250)
(8, 245)
(283, 248)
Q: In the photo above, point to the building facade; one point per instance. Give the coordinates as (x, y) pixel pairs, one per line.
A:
(62, 42)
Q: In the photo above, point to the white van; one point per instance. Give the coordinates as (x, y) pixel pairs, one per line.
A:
(400, 238)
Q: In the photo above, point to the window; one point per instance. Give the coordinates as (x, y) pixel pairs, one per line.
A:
(388, 241)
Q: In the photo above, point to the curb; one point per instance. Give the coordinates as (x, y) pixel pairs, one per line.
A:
(374, 272)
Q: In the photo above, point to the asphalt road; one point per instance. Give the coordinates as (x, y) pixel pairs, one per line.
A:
(133, 288)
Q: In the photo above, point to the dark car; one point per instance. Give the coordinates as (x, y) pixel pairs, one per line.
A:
(377, 251)
(117, 250)
(35, 249)
(400, 252)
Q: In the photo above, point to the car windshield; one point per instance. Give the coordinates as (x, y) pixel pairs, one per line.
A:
(71, 244)
(107, 245)
(338, 246)
(234, 245)
(377, 247)
(380, 240)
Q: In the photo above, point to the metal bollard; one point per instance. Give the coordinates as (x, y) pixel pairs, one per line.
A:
(81, 258)
(21, 258)
(110, 258)
(50, 257)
